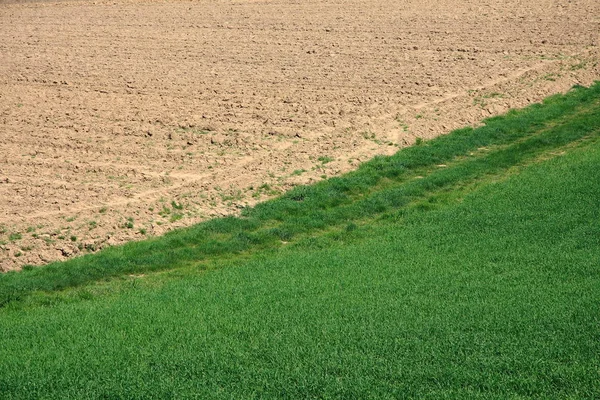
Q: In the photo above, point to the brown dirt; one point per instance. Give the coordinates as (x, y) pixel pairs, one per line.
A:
(124, 119)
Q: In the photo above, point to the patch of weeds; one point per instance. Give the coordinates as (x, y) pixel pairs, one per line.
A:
(27, 248)
(15, 236)
(175, 217)
(368, 135)
(176, 206)
(493, 95)
(265, 188)
(581, 65)
(18, 254)
(71, 219)
(403, 124)
(92, 225)
(419, 116)
(235, 195)
(142, 231)
(325, 159)
(551, 77)
(194, 130)
(30, 229)
(298, 172)
(165, 212)
(419, 141)
(129, 223)
(73, 238)
(90, 247)
(481, 100)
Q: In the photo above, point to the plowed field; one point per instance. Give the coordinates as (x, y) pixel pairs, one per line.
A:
(120, 120)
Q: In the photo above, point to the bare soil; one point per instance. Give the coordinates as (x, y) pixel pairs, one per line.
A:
(125, 119)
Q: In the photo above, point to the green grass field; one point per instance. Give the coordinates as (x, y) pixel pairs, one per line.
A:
(465, 267)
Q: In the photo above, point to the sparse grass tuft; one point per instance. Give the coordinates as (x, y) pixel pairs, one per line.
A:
(325, 159)
(129, 223)
(175, 217)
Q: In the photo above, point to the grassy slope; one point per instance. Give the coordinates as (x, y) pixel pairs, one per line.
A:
(478, 280)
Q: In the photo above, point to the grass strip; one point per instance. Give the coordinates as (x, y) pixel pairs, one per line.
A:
(378, 186)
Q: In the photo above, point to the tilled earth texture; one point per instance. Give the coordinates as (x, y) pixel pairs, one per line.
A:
(125, 119)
